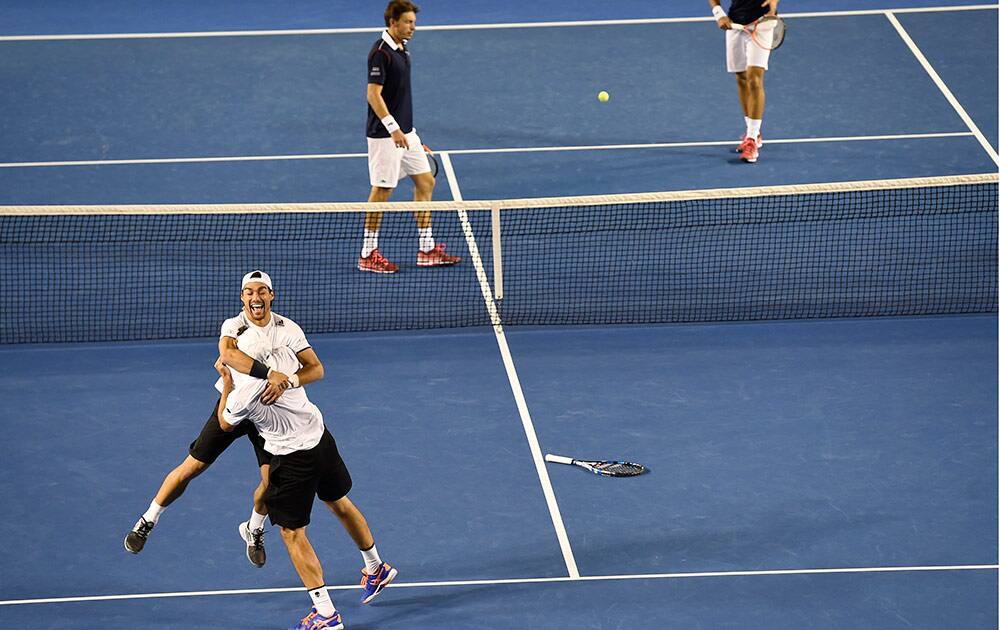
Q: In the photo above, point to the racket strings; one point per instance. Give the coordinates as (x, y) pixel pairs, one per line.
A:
(621, 469)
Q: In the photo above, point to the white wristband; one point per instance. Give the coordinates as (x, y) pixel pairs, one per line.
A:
(294, 380)
(718, 12)
(390, 124)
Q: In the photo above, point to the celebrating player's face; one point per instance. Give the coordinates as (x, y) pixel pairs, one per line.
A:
(257, 300)
(403, 27)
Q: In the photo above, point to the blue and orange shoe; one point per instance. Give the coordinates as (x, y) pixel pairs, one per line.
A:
(316, 621)
(373, 584)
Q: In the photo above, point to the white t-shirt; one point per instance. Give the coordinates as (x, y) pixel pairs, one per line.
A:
(280, 331)
(293, 423)
(258, 341)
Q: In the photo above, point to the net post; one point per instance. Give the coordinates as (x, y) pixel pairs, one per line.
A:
(497, 255)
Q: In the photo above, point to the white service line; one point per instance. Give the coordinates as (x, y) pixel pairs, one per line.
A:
(588, 578)
(468, 27)
(515, 383)
(593, 147)
(944, 88)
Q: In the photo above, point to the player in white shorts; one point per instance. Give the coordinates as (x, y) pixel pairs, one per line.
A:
(748, 62)
(394, 148)
(305, 464)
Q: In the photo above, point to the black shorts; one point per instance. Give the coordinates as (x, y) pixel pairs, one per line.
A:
(212, 440)
(298, 477)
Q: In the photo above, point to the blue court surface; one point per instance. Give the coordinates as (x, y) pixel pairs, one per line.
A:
(820, 473)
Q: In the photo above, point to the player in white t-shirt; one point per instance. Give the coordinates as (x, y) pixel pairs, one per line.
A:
(305, 464)
(240, 336)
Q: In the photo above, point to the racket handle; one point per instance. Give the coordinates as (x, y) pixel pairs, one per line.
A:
(558, 459)
(738, 27)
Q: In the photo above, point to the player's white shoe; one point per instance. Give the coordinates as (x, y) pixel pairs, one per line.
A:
(255, 544)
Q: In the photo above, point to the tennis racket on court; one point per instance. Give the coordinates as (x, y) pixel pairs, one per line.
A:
(768, 32)
(604, 468)
(431, 160)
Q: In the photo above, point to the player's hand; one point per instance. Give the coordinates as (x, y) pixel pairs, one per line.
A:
(223, 370)
(277, 383)
(400, 139)
(771, 5)
(725, 23)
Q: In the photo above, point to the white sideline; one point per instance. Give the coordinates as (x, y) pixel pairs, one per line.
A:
(470, 27)
(592, 147)
(585, 578)
(944, 88)
(515, 383)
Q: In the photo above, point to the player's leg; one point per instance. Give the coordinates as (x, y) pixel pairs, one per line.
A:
(754, 86)
(416, 166)
(252, 530)
(383, 172)
(206, 448)
(334, 484)
(307, 565)
(292, 486)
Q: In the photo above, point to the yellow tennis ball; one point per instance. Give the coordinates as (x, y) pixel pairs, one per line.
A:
(603, 96)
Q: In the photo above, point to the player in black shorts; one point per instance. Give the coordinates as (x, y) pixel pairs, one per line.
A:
(204, 450)
(305, 464)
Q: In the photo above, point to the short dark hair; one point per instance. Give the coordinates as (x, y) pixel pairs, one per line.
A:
(397, 8)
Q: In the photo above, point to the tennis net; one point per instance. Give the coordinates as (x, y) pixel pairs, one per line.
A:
(858, 249)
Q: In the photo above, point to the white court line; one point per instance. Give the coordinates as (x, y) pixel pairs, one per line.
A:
(593, 147)
(944, 88)
(500, 582)
(470, 27)
(515, 383)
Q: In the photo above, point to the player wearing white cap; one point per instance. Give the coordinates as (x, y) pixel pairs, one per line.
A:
(254, 328)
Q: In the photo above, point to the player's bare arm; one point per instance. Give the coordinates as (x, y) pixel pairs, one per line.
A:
(721, 18)
(243, 363)
(381, 110)
(310, 372)
(227, 388)
(772, 6)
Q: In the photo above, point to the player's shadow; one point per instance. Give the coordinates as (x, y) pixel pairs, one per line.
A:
(418, 607)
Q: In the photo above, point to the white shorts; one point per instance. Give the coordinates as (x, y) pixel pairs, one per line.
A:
(387, 162)
(741, 52)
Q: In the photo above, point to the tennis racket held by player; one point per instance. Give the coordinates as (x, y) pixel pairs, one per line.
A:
(768, 32)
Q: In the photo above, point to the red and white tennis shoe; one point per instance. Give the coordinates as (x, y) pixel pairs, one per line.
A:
(739, 147)
(376, 263)
(436, 257)
(748, 150)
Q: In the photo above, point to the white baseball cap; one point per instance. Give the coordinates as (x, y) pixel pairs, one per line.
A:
(257, 276)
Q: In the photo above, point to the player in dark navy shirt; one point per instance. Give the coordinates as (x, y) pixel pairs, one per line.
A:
(394, 148)
(748, 62)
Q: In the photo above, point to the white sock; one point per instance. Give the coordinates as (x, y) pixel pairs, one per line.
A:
(372, 561)
(321, 601)
(426, 240)
(370, 244)
(753, 127)
(256, 520)
(746, 121)
(153, 513)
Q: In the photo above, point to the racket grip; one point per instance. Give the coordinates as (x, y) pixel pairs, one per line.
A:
(558, 459)
(737, 27)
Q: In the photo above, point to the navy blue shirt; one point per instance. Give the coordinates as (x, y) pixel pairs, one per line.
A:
(746, 11)
(389, 66)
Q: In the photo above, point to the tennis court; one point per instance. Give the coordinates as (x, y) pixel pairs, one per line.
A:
(808, 365)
